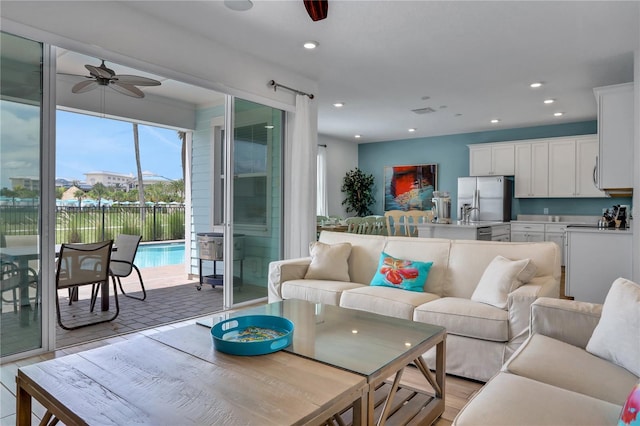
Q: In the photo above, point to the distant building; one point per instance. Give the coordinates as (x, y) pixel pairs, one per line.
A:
(30, 183)
(111, 179)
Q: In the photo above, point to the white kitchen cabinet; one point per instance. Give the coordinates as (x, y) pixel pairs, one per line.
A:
(531, 169)
(562, 168)
(491, 159)
(595, 259)
(616, 134)
(527, 232)
(572, 164)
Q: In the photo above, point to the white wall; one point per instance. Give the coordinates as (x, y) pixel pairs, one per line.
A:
(342, 156)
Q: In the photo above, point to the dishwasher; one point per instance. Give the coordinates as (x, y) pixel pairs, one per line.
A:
(483, 233)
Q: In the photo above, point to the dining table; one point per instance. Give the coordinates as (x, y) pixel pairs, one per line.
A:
(21, 255)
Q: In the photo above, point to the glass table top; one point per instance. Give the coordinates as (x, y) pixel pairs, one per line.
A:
(357, 341)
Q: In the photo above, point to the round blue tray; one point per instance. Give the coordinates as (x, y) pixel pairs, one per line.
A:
(225, 335)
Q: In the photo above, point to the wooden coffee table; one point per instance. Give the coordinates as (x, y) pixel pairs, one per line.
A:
(374, 346)
(177, 378)
(338, 366)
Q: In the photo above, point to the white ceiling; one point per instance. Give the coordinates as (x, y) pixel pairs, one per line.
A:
(473, 60)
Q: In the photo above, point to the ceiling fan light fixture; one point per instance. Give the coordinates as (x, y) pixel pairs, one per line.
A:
(239, 5)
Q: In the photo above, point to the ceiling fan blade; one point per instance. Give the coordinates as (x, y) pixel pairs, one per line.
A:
(127, 89)
(317, 9)
(136, 80)
(98, 72)
(84, 86)
(73, 75)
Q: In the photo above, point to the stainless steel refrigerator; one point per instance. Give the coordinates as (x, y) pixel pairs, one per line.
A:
(489, 196)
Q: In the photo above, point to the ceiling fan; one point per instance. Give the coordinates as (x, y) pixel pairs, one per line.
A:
(104, 76)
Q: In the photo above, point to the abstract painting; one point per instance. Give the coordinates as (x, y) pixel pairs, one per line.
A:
(409, 187)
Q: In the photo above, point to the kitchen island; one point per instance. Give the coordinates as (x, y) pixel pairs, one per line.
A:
(459, 230)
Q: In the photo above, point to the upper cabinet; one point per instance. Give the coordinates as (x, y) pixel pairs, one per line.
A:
(531, 169)
(572, 167)
(491, 159)
(615, 129)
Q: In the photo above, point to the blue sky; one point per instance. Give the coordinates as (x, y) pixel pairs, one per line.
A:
(86, 143)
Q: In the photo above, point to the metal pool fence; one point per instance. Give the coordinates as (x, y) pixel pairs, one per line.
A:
(90, 224)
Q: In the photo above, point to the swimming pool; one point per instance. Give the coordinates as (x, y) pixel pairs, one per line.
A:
(162, 254)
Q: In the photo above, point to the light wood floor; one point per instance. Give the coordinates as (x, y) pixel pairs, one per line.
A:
(457, 390)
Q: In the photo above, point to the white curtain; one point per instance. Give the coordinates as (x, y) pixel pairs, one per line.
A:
(322, 208)
(300, 202)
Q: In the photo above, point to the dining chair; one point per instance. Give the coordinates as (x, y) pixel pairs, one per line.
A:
(122, 261)
(415, 217)
(396, 222)
(84, 264)
(354, 225)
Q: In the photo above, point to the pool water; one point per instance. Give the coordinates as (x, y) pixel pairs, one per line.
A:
(152, 255)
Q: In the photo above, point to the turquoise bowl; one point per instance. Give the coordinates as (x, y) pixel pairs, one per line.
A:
(252, 335)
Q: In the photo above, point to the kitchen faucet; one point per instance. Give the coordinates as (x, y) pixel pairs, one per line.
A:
(466, 212)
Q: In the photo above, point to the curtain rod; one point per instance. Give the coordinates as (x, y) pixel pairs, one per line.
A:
(276, 85)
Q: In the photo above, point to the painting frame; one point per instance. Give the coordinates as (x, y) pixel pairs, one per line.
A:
(410, 187)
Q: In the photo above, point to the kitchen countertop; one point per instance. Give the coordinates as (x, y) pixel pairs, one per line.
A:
(459, 224)
(596, 230)
(561, 219)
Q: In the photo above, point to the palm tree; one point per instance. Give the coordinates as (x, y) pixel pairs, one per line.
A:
(79, 194)
(98, 192)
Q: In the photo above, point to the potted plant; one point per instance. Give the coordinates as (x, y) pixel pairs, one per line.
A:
(358, 187)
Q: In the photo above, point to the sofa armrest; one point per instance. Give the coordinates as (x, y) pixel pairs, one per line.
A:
(519, 304)
(570, 321)
(285, 270)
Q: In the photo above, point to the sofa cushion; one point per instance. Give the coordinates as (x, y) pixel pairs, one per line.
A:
(510, 400)
(469, 259)
(385, 300)
(501, 277)
(329, 261)
(557, 363)
(424, 250)
(630, 411)
(465, 317)
(616, 335)
(401, 273)
(318, 291)
(365, 253)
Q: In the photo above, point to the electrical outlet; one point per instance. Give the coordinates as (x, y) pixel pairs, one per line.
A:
(546, 210)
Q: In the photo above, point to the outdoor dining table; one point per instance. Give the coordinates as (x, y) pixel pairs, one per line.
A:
(21, 256)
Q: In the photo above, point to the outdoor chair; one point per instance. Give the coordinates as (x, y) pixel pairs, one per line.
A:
(84, 264)
(122, 261)
(12, 279)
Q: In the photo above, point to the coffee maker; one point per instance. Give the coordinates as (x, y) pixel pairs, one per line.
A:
(441, 207)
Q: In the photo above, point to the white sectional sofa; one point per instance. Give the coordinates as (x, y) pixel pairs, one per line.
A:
(568, 372)
(480, 336)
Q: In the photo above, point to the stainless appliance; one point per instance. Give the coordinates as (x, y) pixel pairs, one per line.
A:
(485, 198)
(441, 207)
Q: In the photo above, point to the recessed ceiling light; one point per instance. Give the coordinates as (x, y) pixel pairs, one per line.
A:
(238, 5)
(535, 85)
(495, 120)
(268, 126)
(549, 101)
(357, 136)
(310, 44)
(558, 114)
(411, 130)
(338, 104)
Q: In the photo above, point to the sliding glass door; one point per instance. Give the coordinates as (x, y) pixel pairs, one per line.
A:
(21, 112)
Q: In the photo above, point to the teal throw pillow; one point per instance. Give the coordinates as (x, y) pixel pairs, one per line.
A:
(400, 273)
